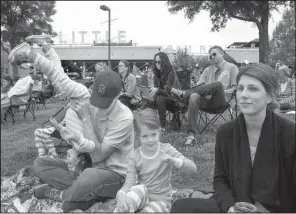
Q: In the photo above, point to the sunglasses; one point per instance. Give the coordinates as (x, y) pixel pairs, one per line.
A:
(158, 62)
(213, 55)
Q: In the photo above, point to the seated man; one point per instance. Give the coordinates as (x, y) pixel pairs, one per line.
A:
(106, 122)
(214, 83)
(22, 86)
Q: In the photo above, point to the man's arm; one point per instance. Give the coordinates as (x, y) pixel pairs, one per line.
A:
(113, 139)
(232, 84)
(203, 77)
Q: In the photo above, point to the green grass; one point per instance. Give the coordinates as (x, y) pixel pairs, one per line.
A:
(18, 148)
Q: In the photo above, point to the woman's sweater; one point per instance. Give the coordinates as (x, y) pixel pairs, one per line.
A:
(233, 165)
(165, 81)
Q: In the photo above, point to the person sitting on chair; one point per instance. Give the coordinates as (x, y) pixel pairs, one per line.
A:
(164, 79)
(130, 95)
(22, 86)
(215, 85)
(286, 89)
(7, 84)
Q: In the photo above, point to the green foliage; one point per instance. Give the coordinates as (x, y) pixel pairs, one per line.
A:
(24, 18)
(282, 44)
(183, 60)
(257, 12)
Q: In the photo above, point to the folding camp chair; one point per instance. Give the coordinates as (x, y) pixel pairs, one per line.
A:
(217, 113)
(29, 106)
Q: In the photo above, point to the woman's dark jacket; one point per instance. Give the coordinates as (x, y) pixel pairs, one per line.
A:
(272, 178)
(165, 81)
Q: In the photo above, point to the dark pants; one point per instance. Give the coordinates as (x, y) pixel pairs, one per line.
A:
(198, 100)
(195, 205)
(81, 193)
(162, 104)
(127, 101)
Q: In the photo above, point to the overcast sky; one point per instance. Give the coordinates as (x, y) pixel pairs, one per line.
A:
(149, 23)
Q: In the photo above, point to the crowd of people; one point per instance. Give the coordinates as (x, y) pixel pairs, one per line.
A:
(116, 154)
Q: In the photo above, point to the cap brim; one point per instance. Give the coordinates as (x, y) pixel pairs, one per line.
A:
(100, 102)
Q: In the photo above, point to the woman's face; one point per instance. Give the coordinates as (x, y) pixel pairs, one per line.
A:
(121, 68)
(158, 62)
(148, 137)
(251, 95)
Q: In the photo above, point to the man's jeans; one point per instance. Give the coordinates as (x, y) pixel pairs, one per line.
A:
(91, 184)
(198, 100)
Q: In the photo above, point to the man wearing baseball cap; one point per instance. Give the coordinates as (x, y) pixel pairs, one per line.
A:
(107, 124)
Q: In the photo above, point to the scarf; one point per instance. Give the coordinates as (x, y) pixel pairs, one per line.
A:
(260, 182)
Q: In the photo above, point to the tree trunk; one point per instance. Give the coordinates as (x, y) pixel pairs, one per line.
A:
(263, 36)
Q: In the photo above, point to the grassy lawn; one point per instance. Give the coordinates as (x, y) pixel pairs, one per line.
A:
(18, 147)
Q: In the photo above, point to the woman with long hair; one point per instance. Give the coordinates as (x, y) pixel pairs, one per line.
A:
(130, 95)
(165, 78)
(255, 154)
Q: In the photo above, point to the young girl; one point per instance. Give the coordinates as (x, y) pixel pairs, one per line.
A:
(147, 186)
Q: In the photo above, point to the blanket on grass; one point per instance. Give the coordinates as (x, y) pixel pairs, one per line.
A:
(17, 196)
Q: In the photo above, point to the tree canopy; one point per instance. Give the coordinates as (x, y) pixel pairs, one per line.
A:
(23, 18)
(257, 12)
(282, 44)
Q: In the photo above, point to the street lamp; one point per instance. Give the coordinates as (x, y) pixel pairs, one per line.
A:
(105, 8)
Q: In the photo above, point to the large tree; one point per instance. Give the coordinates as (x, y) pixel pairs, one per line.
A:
(257, 12)
(24, 18)
(282, 44)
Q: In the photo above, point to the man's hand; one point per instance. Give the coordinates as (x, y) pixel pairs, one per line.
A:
(153, 91)
(81, 108)
(66, 134)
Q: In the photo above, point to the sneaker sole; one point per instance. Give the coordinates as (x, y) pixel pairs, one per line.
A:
(39, 37)
(12, 53)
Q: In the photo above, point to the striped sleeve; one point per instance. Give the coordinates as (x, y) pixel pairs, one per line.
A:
(289, 99)
(51, 67)
(173, 152)
(131, 175)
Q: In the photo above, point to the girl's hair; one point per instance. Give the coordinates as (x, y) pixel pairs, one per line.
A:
(266, 75)
(147, 117)
(165, 63)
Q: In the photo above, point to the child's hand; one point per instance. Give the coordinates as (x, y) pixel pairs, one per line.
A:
(66, 134)
(81, 108)
(177, 162)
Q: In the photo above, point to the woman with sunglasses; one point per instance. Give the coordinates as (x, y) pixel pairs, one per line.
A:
(164, 80)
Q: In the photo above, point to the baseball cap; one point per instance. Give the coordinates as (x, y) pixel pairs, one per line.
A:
(106, 87)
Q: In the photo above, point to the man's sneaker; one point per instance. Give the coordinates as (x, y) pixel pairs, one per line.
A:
(20, 53)
(39, 39)
(44, 191)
